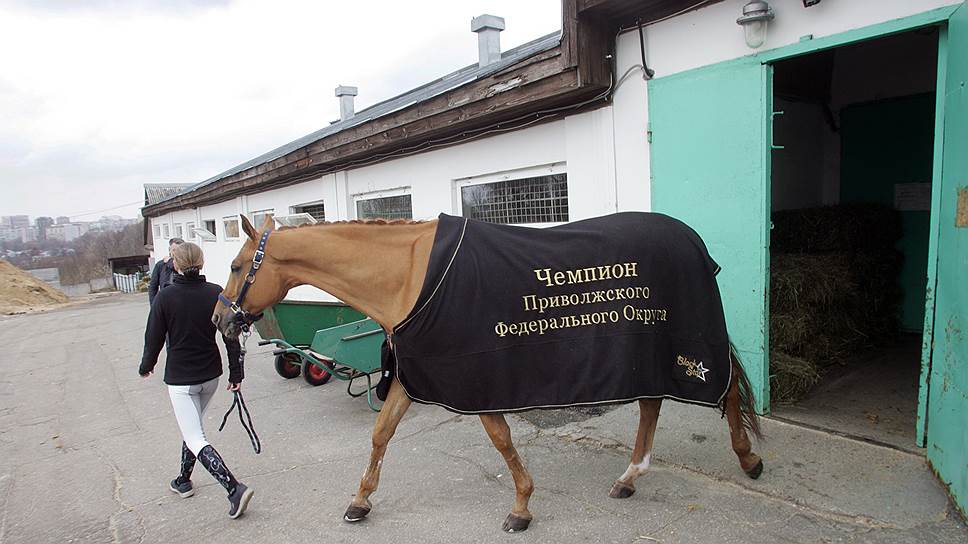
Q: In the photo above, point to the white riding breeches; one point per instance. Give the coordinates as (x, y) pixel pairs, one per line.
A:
(189, 403)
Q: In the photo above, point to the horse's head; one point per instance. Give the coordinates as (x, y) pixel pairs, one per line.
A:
(256, 276)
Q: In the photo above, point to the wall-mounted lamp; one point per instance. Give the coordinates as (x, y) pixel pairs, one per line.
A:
(755, 20)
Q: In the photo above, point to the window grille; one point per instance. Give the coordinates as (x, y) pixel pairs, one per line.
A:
(190, 231)
(387, 207)
(318, 211)
(542, 199)
(179, 233)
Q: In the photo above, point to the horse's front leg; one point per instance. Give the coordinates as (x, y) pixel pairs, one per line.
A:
(642, 452)
(386, 424)
(500, 434)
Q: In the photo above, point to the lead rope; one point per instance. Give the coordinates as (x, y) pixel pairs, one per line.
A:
(239, 401)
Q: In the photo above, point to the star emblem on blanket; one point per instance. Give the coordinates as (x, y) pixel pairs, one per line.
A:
(692, 368)
(701, 371)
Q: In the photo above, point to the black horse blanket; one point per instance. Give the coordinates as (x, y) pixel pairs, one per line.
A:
(605, 310)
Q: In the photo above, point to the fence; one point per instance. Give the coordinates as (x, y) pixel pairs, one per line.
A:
(127, 283)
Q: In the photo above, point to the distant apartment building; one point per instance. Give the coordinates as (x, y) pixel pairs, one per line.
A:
(66, 232)
(15, 221)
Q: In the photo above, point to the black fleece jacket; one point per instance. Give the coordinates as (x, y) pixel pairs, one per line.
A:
(183, 313)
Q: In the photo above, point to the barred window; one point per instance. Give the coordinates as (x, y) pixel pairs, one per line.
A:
(387, 207)
(317, 211)
(541, 199)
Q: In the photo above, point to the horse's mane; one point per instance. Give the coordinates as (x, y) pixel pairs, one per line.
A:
(356, 222)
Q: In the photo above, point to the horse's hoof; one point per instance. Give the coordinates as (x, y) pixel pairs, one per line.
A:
(355, 513)
(621, 491)
(514, 524)
(755, 472)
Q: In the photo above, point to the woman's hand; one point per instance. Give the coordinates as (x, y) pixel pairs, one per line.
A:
(146, 376)
(234, 387)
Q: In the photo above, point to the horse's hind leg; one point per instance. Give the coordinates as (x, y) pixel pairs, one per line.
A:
(500, 434)
(386, 424)
(624, 487)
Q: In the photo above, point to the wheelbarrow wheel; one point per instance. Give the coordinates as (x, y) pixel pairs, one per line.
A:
(287, 366)
(315, 375)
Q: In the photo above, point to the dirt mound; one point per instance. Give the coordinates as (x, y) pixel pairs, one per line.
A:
(19, 291)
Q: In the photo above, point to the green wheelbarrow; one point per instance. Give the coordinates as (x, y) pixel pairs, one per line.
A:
(296, 322)
(349, 352)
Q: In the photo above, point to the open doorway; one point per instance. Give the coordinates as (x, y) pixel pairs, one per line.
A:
(850, 210)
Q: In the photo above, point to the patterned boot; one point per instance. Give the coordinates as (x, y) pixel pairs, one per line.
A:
(239, 494)
(182, 485)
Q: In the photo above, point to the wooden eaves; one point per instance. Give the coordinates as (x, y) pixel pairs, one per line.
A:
(571, 73)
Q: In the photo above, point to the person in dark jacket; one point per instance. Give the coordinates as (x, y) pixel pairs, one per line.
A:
(162, 273)
(182, 312)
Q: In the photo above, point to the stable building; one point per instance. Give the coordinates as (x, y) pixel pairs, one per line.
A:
(726, 114)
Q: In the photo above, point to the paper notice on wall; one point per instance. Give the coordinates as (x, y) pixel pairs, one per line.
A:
(912, 197)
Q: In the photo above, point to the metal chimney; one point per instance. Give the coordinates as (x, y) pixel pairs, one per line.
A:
(345, 95)
(488, 29)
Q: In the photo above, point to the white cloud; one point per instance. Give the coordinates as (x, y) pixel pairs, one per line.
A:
(100, 99)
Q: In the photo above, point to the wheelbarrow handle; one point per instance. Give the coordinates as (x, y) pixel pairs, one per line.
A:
(264, 342)
(279, 351)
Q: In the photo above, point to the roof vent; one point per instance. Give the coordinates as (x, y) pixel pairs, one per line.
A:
(345, 95)
(488, 29)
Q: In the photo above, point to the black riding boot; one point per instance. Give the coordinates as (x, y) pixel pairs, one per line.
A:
(239, 494)
(183, 483)
(187, 463)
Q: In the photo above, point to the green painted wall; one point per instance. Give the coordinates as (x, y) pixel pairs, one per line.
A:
(885, 143)
(709, 169)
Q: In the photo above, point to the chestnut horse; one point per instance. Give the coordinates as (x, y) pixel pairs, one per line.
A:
(378, 267)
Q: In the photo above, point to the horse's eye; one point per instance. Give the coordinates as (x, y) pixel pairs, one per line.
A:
(236, 268)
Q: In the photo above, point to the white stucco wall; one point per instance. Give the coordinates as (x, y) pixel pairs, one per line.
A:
(580, 145)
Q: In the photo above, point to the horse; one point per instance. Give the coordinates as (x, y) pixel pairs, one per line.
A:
(379, 267)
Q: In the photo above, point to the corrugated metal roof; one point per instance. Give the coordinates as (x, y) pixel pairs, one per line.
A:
(157, 192)
(439, 86)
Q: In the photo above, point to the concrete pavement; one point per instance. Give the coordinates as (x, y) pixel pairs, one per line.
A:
(87, 448)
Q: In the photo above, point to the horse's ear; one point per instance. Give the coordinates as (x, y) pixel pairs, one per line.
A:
(269, 223)
(249, 229)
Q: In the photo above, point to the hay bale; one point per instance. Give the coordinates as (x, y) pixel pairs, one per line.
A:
(845, 227)
(833, 289)
(20, 292)
(791, 377)
(807, 282)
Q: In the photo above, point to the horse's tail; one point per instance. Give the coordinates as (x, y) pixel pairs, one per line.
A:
(747, 409)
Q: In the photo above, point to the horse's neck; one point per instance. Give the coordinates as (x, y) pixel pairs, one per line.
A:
(377, 269)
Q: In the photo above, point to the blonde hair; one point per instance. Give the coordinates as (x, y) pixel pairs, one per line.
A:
(189, 258)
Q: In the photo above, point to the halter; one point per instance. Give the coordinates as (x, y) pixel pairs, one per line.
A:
(240, 316)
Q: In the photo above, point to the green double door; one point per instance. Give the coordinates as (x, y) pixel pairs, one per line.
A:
(710, 133)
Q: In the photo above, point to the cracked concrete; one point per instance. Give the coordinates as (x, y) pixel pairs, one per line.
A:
(88, 448)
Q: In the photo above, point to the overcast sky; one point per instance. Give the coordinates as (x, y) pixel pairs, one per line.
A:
(98, 97)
